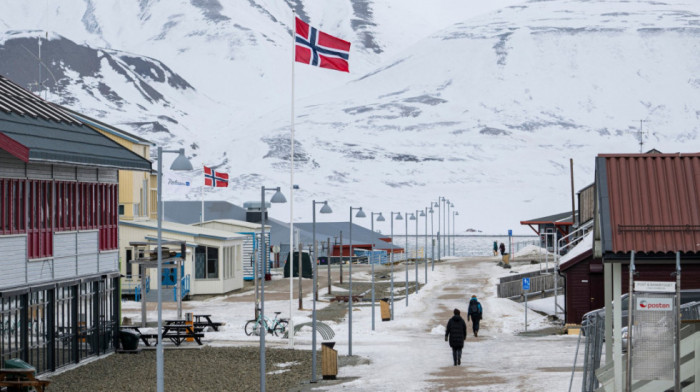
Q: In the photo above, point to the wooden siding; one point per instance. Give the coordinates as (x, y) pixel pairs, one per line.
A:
(108, 261)
(39, 271)
(578, 291)
(11, 167)
(586, 204)
(64, 267)
(87, 174)
(13, 260)
(64, 252)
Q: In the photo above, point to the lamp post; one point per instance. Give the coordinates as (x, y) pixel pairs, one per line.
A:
(380, 218)
(439, 227)
(181, 163)
(278, 197)
(360, 214)
(454, 214)
(424, 214)
(411, 218)
(416, 258)
(432, 240)
(324, 210)
(447, 229)
(398, 217)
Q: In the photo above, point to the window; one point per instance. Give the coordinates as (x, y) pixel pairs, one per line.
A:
(206, 261)
(107, 196)
(121, 209)
(39, 227)
(12, 206)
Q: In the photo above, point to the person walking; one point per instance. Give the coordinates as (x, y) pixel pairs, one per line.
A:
(456, 334)
(474, 313)
(495, 248)
(503, 248)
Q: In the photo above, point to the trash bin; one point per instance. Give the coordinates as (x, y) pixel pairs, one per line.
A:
(385, 310)
(329, 361)
(506, 258)
(129, 339)
(16, 363)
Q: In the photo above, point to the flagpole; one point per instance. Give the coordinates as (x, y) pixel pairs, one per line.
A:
(201, 196)
(291, 195)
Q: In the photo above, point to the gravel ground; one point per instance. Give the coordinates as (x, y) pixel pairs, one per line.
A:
(205, 369)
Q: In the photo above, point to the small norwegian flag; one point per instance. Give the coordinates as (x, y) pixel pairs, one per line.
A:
(214, 178)
(319, 49)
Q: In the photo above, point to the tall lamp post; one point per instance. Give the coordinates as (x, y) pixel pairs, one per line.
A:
(454, 214)
(432, 240)
(445, 202)
(447, 230)
(411, 218)
(181, 163)
(360, 214)
(398, 217)
(278, 197)
(416, 258)
(380, 218)
(324, 210)
(439, 227)
(424, 214)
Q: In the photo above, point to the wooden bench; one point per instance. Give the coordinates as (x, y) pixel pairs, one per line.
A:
(18, 378)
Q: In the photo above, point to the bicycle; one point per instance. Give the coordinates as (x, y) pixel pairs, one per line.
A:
(274, 326)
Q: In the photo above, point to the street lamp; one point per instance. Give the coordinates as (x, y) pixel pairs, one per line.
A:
(415, 261)
(326, 209)
(360, 214)
(380, 218)
(181, 163)
(454, 214)
(278, 197)
(439, 227)
(398, 217)
(450, 238)
(445, 234)
(411, 218)
(425, 247)
(432, 240)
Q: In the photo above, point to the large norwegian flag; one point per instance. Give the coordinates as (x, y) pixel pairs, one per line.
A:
(214, 178)
(319, 49)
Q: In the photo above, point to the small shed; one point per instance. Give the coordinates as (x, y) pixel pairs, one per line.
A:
(551, 228)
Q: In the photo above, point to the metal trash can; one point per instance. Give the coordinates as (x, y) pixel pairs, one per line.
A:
(385, 310)
(506, 258)
(16, 363)
(129, 339)
(329, 361)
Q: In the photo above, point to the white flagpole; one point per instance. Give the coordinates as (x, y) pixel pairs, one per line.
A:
(291, 194)
(201, 196)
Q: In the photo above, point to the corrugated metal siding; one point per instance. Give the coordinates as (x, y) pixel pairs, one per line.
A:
(108, 175)
(108, 261)
(39, 271)
(11, 167)
(654, 202)
(64, 252)
(87, 252)
(87, 174)
(38, 171)
(13, 261)
(64, 267)
(64, 173)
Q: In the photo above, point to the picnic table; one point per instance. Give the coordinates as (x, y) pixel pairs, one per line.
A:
(199, 321)
(18, 378)
(175, 330)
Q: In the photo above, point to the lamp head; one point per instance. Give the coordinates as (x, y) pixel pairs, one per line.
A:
(431, 210)
(456, 212)
(181, 163)
(278, 197)
(399, 217)
(360, 214)
(437, 204)
(413, 217)
(326, 209)
(422, 213)
(380, 218)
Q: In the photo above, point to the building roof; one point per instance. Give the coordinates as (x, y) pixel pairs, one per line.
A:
(233, 222)
(649, 203)
(360, 235)
(188, 230)
(563, 218)
(35, 130)
(111, 129)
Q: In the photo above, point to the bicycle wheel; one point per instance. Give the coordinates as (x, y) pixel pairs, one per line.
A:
(252, 327)
(281, 327)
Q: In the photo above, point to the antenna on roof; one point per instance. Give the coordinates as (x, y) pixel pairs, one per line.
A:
(640, 135)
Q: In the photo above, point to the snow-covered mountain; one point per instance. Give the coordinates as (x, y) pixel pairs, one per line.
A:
(483, 104)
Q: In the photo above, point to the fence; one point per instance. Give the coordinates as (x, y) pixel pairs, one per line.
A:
(512, 286)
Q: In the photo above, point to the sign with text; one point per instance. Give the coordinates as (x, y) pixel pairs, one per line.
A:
(655, 287)
(646, 304)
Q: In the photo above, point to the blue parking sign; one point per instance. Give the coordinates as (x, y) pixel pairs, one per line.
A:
(526, 283)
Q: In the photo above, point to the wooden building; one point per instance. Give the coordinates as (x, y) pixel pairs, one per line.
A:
(59, 299)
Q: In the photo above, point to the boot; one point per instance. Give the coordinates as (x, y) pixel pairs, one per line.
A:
(476, 334)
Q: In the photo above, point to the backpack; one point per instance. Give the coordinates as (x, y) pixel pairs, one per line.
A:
(474, 307)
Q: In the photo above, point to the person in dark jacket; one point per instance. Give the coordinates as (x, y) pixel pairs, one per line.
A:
(456, 334)
(474, 313)
(495, 248)
(503, 248)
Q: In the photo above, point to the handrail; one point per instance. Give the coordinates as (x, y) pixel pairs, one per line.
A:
(564, 242)
(184, 287)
